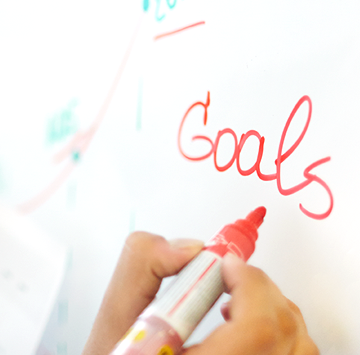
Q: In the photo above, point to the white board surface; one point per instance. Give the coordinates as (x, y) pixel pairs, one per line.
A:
(92, 100)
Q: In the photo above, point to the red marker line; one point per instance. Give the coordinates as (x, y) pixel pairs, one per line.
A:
(192, 287)
(41, 197)
(178, 30)
(80, 142)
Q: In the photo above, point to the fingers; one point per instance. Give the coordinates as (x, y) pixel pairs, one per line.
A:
(306, 345)
(249, 287)
(260, 320)
(144, 261)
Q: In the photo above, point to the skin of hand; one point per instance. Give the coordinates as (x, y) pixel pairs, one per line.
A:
(260, 320)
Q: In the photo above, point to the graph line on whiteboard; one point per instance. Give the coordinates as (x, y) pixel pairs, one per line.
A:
(81, 141)
(162, 35)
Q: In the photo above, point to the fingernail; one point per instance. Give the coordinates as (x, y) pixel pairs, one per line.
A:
(232, 261)
(186, 243)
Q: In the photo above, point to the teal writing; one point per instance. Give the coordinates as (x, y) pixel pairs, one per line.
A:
(171, 4)
(75, 155)
(157, 12)
(146, 5)
(161, 7)
(63, 124)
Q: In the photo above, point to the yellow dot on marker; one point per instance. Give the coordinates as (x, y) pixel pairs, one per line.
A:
(165, 350)
(139, 336)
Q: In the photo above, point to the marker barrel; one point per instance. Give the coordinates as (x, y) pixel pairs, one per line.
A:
(170, 319)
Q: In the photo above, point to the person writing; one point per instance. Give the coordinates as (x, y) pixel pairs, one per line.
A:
(260, 320)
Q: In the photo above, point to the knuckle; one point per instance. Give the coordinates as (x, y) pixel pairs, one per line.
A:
(272, 330)
(259, 275)
(293, 307)
(287, 322)
(142, 246)
(265, 337)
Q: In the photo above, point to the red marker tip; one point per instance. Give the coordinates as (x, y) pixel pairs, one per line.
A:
(257, 216)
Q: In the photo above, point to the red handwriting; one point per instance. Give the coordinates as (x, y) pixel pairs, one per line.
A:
(281, 156)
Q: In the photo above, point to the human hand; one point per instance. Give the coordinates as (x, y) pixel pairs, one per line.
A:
(145, 260)
(260, 320)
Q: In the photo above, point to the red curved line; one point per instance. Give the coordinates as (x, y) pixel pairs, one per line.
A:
(80, 142)
(178, 30)
(87, 136)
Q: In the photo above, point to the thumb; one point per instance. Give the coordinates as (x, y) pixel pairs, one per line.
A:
(253, 293)
(249, 287)
(145, 260)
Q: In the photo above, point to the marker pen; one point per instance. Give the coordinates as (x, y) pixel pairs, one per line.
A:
(170, 319)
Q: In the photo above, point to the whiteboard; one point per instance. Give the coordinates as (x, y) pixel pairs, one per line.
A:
(100, 104)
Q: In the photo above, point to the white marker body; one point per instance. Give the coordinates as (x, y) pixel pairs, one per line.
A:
(194, 291)
(171, 318)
